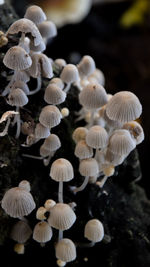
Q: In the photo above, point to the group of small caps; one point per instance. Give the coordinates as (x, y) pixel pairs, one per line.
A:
(110, 134)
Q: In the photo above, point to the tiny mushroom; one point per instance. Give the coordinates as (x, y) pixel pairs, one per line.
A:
(61, 171)
(18, 202)
(83, 151)
(86, 66)
(94, 231)
(79, 134)
(135, 130)
(41, 131)
(50, 116)
(65, 250)
(87, 168)
(54, 94)
(35, 14)
(42, 232)
(69, 75)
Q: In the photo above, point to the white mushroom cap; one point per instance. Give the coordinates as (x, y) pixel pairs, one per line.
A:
(60, 63)
(114, 159)
(111, 123)
(35, 13)
(49, 204)
(82, 150)
(93, 96)
(86, 66)
(52, 142)
(21, 76)
(17, 202)
(69, 74)
(58, 82)
(97, 137)
(135, 130)
(41, 66)
(61, 170)
(47, 29)
(88, 167)
(124, 106)
(17, 58)
(54, 95)
(79, 134)
(17, 98)
(94, 230)
(24, 184)
(97, 76)
(42, 232)
(21, 232)
(44, 152)
(21, 85)
(65, 250)
(28, 27)
(121, 142)
(62, 217)
(40, 213)
(41, 131)
(50, 116)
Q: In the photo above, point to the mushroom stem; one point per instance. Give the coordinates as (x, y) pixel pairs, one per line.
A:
(60, 192)
(66, 89)
(47, 160)
(91, 119)
(5, 131)
(18, 123)
(103, 181)
(60, 235)
(39, 84)
(21, 41)
(32, 156)
(82, 187)
(96, 153)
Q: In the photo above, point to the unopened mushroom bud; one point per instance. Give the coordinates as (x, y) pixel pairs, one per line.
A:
(65, 112)
(24, 184)
(49, 203)
(135, 130)
(40, 214)
(108, 170)
(19, 248)
(60, 63)
(61, 263)
(79, 134)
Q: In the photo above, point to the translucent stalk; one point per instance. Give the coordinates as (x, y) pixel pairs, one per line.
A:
(82, 187)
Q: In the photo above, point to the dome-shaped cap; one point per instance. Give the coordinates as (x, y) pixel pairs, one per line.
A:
(47, 29)
(41, 131)
(49, 204)
(41, 66)
(17, 202)
(54, 95)
(50, 116)
(94, 230)
(61, 170)
(17, 98)
(42, 232)
(124, 106)
(17, 58)
(93, 96)
(44, 152)
(69, 74)
(135, 130)
(24, 184)
(21, 85)
(97, 137)
(52, 142)
(114, 159)
(97, 76)
(21, 76)
(82, 150)
(86, 66)
(88, 167)
(28, 27)
(60, 63)
(79, 134)
(38, 48)
(62, 217)
(109, 122)
(21, 232)
(57, 81)
(65, 250)
(35, 13)
(121, 142)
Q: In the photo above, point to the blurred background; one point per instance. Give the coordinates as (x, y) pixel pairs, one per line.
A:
(116, 33)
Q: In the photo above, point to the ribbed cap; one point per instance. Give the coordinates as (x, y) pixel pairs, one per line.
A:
(94, 230)
(21, 232)
(97, 137)
(42, 232)
(50, 116)
(61, 170)
(65, 250)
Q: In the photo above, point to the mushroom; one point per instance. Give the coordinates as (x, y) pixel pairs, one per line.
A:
(87, 168)
(97, 76)
(50, 116)
(40, 213)
(94, 231)
(69, 75)
(124, 107)
(35, 14)
(41, 67)
(86, 66)
(79, 134)
(47, 30)
(24, 184)
(61, 217)
(65, 250)
(49, 203)
(61, 171)
(135, 130)
(18, 202)
(42, 232)
(41, 131)
(82, 150)
(20, 233)
(92, 97)
(54, 94)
